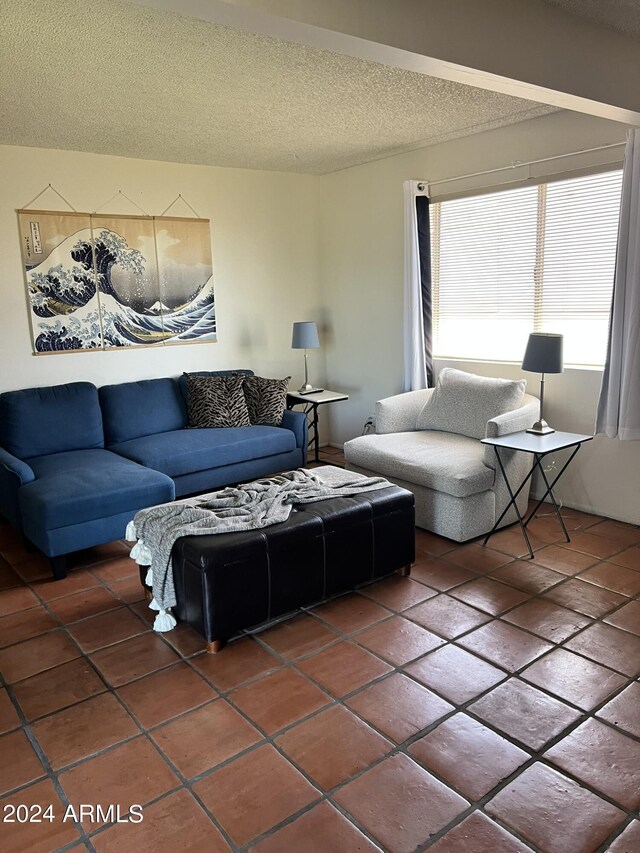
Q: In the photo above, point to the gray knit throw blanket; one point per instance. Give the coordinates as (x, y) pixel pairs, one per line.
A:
(245, 507)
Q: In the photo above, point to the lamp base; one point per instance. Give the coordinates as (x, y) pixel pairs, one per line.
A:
(309, 389)
(541, 428)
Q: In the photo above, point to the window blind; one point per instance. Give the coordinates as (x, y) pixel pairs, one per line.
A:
(535, 258)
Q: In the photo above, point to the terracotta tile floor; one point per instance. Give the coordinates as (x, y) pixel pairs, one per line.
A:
(486, 704)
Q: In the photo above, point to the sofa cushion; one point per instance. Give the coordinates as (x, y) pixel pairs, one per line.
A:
(216, 401)
(266, 399)
(463, 403)
(133, 409)
(37, 421)
(82, 485)
(189, 450)
(441, 461)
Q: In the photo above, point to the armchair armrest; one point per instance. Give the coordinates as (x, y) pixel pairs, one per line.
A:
(400, 412)
(516, 464)
(514, 421)
(13, 474)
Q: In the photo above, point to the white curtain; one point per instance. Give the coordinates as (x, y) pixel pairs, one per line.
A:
(619, 404)
(415, 363)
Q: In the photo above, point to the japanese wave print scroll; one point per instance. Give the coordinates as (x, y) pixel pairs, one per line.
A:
(99, 281)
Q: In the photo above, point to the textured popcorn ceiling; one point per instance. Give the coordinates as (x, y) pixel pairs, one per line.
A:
(113, 78)
(622, 15)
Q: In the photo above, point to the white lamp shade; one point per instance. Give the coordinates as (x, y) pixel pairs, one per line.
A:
(305, 336)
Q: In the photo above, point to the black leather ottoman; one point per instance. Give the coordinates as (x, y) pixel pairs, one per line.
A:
(231, 581)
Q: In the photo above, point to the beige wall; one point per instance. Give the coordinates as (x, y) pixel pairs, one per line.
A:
(362, 280)
(603, 478)
(264, 230)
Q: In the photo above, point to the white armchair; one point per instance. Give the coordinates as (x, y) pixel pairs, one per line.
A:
(458, 491)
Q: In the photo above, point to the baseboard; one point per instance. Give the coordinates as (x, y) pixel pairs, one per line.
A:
(585, 507)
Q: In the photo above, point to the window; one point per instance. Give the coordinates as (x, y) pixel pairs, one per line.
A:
(537, 258)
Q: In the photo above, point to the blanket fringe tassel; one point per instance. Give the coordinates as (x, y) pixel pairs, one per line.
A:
(141, 554)
(164, 621)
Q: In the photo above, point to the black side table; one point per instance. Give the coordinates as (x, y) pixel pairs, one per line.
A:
(538, 446)
(311, 403)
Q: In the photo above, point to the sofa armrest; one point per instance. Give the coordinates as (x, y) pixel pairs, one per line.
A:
(15, 467)
(299, 426)
(13, 474)
(400, 412)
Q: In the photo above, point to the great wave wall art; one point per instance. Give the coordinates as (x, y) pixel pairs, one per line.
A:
(103, 282)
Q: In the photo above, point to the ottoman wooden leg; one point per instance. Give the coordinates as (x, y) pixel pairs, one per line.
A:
(215, 646)
(405, 571)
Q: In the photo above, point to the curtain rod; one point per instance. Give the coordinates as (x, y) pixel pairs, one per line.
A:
(517, 163)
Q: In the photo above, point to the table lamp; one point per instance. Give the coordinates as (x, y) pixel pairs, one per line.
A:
(543, 355)
(305, 336)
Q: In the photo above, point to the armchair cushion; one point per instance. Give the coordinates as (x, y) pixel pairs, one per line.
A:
(441, 461)
(462, 403)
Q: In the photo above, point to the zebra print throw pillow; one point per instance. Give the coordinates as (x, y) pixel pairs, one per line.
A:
(216, 401)
(266, 399)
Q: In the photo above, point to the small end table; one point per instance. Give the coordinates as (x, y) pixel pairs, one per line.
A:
(311, 403)
(538, 446)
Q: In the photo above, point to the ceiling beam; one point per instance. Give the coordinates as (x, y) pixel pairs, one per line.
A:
(525, 48)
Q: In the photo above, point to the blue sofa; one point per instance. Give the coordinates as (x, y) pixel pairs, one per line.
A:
(77, 462)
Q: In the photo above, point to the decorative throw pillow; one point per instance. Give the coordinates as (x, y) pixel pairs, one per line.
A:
(463, 403)
(216, 401)
(266, 399)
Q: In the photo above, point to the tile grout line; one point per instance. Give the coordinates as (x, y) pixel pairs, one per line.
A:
(49, 772)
